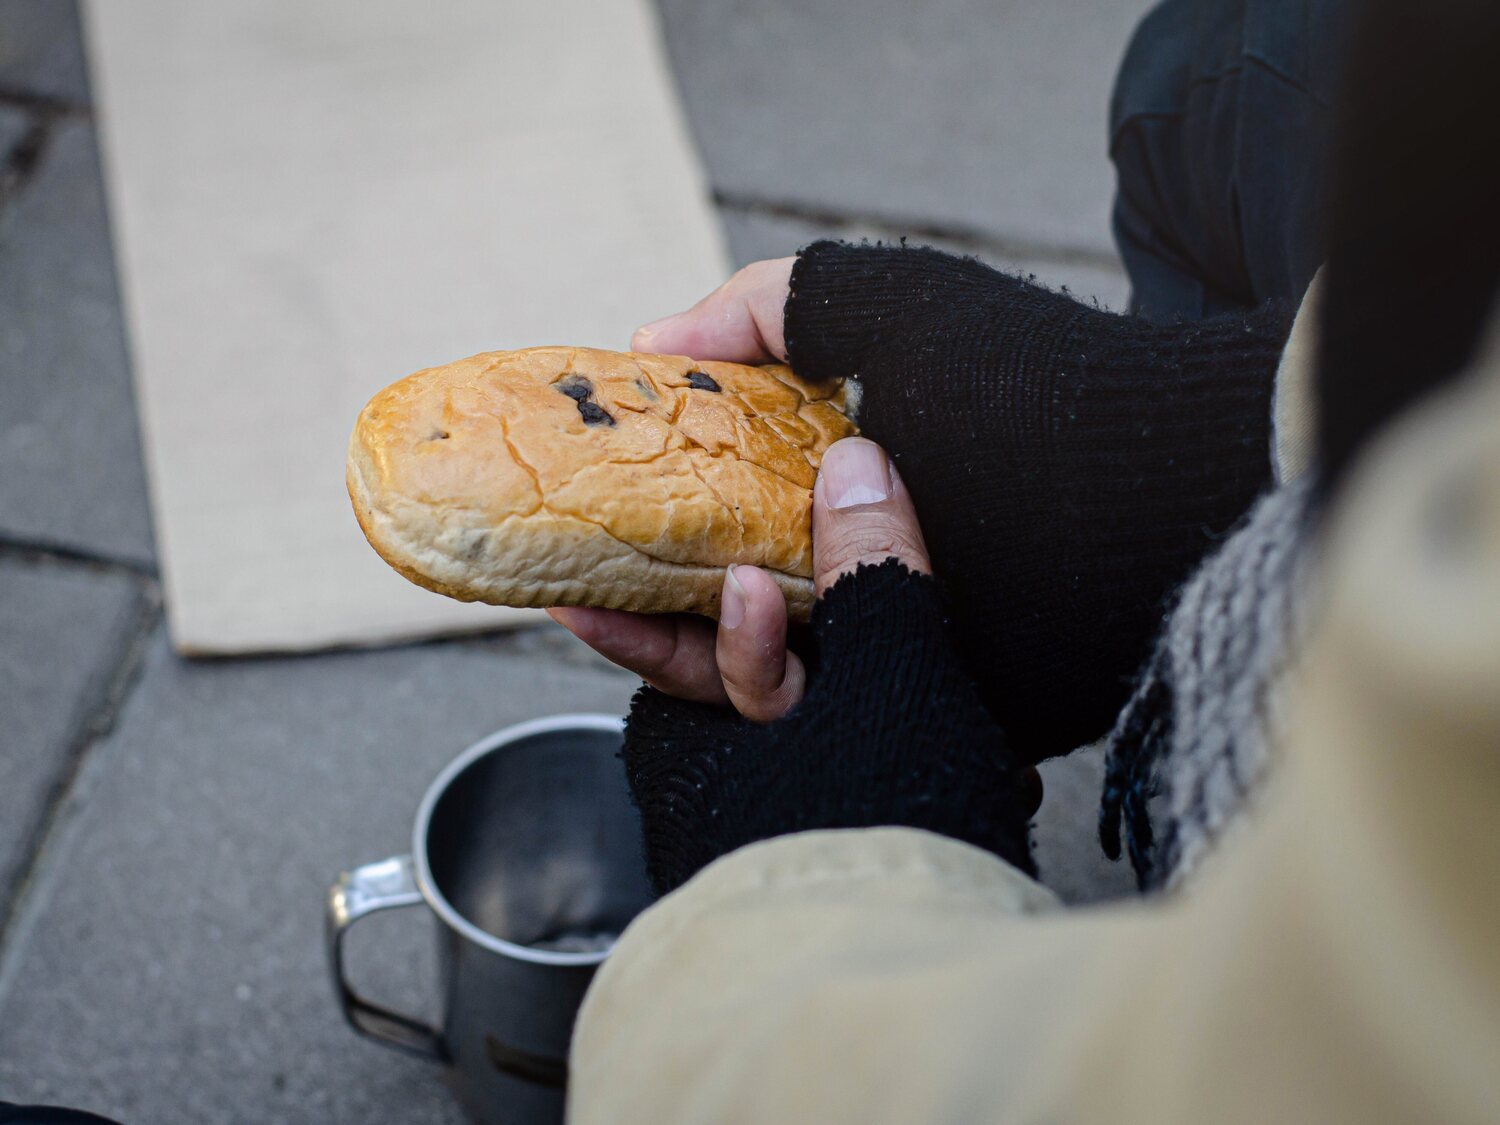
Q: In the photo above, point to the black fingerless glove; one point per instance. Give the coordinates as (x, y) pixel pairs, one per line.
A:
(890, 732)
(1070, 466)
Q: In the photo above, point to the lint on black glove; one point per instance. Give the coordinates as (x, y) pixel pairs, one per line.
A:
(890, 732)
(1070, 466)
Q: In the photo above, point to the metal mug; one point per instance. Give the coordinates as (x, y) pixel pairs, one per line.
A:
(526, 850)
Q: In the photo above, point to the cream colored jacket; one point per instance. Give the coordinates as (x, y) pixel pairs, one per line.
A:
(1338, 962)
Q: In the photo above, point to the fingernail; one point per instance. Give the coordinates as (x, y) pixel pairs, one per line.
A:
(646, 331)
(732, 601)
(855, 472)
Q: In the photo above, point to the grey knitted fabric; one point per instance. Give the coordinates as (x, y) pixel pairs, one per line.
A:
(1197, 735)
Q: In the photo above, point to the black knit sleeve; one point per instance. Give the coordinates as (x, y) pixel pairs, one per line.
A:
(1070, 466)
(890, 732)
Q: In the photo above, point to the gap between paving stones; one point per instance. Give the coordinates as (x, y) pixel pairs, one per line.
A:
(99, 715)
(895, 228)
(36, 553)
(19, 900)
(45, 113)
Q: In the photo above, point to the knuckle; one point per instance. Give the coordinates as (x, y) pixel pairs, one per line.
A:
(758, 681)
(758, 274)
(747, 676)
(661, 654)
(652, 653)
(742, 278)
(767, 704)
(872, 543)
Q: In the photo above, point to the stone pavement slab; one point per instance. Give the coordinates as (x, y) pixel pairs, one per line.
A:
(982, 114)
(168, 967)
(752, 236)
(70, 459)
(63, 630)
(41, 49)
(1066, 835)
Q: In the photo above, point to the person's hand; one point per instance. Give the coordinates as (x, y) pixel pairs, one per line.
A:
(739, 322)
(861, 513)
(889, 731)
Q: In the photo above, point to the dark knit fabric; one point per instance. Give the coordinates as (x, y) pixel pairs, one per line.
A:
(1070, 466)
(890, 732)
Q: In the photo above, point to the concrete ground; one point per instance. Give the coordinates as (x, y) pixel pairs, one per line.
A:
(168, 827)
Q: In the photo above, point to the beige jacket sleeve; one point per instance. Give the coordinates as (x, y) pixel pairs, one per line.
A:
(1338, 963)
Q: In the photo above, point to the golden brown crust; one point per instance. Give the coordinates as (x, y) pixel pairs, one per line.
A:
(573, 476)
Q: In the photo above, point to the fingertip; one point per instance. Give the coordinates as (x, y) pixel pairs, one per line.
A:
(565, 615)
(862, 514)
(761, 678)
(759, 588)
(854, 472)
(590, 624)
(760, 613)
(677, 334)
(731, 601)
(646, 338)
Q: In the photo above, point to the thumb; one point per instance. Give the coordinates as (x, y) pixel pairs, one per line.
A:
(862, 513)
(741, 321)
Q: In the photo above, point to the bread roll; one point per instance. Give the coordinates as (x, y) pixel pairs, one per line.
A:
(571, 476)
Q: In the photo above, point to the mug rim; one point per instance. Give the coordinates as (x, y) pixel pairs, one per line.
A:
(489, 744)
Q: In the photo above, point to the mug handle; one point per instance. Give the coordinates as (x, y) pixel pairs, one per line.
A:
(365, 890)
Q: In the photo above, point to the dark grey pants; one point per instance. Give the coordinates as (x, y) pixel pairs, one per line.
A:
(1219, 126)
